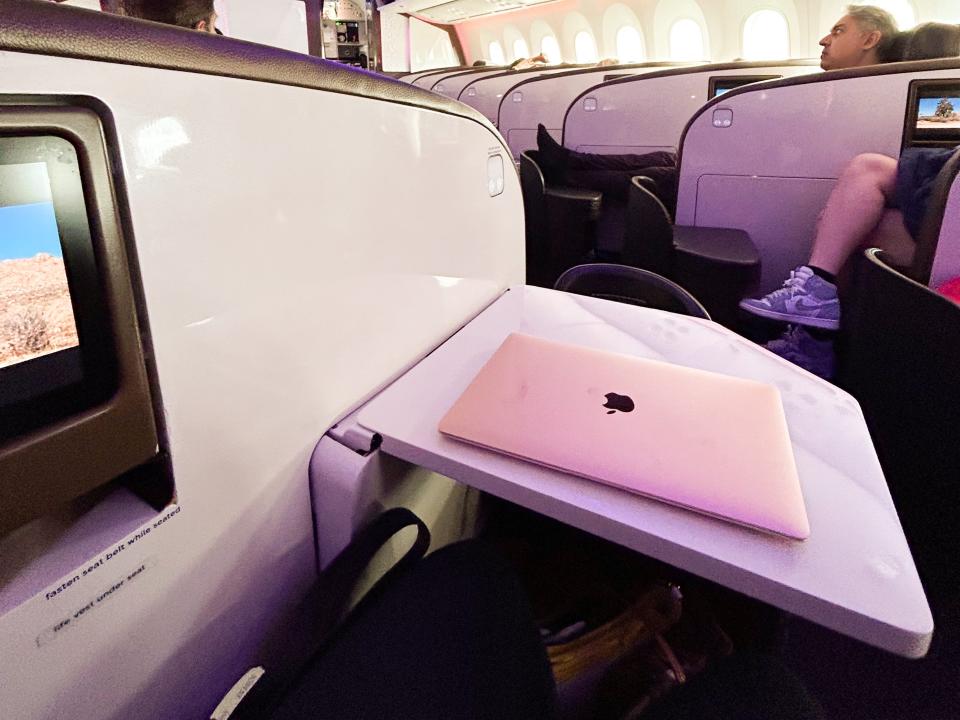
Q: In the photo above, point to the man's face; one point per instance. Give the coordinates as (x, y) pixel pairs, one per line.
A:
(846, 45)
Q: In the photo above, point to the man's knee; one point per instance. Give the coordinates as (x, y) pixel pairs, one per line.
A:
(872, 165)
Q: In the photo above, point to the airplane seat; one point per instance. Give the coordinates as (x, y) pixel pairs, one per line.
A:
(719, 266)
(560, 223)
(630, 285)
(900, 342)
(930, 230)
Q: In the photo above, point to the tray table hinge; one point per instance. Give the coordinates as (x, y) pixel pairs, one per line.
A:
(350, 433)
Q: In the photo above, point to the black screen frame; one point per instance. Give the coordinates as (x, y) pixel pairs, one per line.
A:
(734, 81)
(928, 137)
(84, 375)
(96, 432)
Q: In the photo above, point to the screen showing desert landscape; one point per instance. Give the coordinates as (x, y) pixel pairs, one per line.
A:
(938, 113)
(36, 317)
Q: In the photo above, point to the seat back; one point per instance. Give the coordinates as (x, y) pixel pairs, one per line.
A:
(648, 230)
(544, 99)
(484, 94)
(763, 158)
(632, 286)
(533, 186)
(426, 80)
(930, 230)
(647, 112)
(900, 342)
(451, 84)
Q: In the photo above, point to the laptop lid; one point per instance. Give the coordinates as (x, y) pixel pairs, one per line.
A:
(707, 442)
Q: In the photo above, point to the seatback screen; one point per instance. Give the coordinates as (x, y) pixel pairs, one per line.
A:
(941, 112)
(36, 311)
(724, 84)
(933, 114)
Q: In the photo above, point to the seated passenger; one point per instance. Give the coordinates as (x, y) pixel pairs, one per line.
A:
(877, 200)
(894, 50)
(191, 14)
(856, 40)
(527, 63)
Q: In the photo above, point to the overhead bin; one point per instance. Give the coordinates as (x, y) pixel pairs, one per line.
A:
(648, 112)
(784, 143)
(544, 99)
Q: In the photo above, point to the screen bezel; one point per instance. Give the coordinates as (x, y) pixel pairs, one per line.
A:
(718, 81)
(912, 137)
(85, 374)
(74, 450)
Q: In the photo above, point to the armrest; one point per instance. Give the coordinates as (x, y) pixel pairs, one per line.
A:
(571, 225)
(720, 245)
(576, 199)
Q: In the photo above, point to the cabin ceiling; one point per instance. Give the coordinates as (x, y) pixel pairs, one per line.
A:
(449, 12)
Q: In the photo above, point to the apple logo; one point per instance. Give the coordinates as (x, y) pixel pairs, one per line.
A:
(615, 402)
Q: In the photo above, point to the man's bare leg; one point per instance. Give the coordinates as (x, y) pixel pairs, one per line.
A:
(856, 207)
(894, 239)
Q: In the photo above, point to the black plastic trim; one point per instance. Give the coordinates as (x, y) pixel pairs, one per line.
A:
(78, 449)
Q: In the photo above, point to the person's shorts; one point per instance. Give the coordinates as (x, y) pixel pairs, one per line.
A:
(917, 170)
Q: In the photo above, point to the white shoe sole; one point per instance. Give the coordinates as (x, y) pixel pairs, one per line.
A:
(822, 323)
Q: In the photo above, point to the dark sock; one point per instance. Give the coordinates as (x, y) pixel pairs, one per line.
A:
(549, 148)
(820, 272)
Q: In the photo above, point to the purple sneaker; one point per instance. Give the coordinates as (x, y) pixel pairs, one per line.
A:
(804, 299)
(802, 349)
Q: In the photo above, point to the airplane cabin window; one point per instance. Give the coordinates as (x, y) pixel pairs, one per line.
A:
(520, 49)
(686, 40)
(585, 47)
(902, 10)
(630, 45)
(550, 49)
(766, 36)
(495, 53)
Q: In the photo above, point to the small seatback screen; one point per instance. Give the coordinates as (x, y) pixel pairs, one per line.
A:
(36, 311)
(724, 84)
(56, 347)
(941, 112)
(933, 114)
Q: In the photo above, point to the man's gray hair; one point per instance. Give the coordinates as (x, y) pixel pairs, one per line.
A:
(871, 18)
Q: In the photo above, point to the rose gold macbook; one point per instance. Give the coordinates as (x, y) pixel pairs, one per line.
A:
(711, 443)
